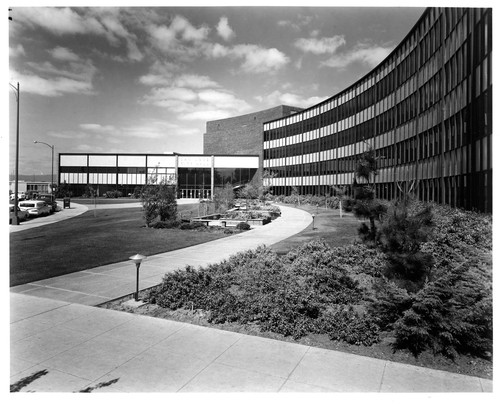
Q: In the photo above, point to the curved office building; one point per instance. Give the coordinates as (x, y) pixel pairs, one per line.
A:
(426, 110)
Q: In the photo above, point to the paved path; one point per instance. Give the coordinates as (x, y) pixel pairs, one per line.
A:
(75, 210)
(77, 346)
(56, 330)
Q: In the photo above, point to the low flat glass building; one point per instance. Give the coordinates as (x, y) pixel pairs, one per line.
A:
(195, 175)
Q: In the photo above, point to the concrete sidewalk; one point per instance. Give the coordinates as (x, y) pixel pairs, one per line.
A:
(73, 347)
(98, 285)
(75, 210)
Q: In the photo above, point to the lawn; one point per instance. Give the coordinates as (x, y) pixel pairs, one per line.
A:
(336, 231)
(86, 241)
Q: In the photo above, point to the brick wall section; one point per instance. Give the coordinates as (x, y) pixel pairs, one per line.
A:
(241, 134)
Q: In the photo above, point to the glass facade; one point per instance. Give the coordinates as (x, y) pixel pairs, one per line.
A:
(195, 176)
(426, 110)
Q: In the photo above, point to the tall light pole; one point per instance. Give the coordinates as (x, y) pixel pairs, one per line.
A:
(52, 175)
(15, 219)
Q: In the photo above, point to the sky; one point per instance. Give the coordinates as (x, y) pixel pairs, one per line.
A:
(146, 80)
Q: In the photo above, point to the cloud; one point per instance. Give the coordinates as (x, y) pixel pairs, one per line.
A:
(302, 21)
(320, 46)
(52, 87)
(17, 51)
(180, 39)
(66, 74)
(187, 31)
(295, 100)
(58, 21)
(224, 30)
(370, 55)
(260, 60)
(104, 22)
(188, 104)
(64, 54)
(97, 128)
(195, 81)
(255, 59)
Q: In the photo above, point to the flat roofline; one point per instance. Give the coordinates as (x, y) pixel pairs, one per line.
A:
(159, 154)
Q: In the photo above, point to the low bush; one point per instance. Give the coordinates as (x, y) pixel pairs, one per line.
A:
(192, 226)
(285, 295)
(243, 226)
(345, 324)
(113, 194)
(168, 224)
(331, 202)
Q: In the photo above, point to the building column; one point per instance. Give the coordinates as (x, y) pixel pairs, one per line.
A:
(212, 178)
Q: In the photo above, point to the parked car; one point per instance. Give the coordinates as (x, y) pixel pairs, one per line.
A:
(20, 196)
(35, 208)
(50, 200)
(21, 214)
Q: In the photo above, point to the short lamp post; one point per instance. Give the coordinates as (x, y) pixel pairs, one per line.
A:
(313, 215)
(138, 258)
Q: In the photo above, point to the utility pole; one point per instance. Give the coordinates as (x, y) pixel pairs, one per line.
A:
(15, 219)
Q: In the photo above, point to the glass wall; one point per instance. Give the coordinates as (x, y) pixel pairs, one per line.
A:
(426, 110)
(192, 174)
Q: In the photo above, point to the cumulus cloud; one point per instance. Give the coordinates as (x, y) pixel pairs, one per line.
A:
(224, 30)
(260, 60)
(320, 46)
(254, 58)
(279, 98)
(370, 55)
(189, 104)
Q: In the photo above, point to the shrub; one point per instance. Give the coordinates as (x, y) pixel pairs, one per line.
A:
(345, 324)
(283, 295)
(113, 194)
(243, 226)
(451, 315)
(192, 226)
(169, 224)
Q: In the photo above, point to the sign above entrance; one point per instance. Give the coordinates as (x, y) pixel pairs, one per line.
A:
(195, 161)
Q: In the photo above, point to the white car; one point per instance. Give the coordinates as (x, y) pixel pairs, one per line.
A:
(35, 208)
(21, 214)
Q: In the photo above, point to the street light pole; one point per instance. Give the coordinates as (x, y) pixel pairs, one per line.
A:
(52, 173)
(15, 220)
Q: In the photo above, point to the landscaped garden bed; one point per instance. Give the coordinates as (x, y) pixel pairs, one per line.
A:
(256, 214)
(340, 298)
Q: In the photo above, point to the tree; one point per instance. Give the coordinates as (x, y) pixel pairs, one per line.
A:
(158, 200)
(404, 229)
(223, 198)
(366, 206)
